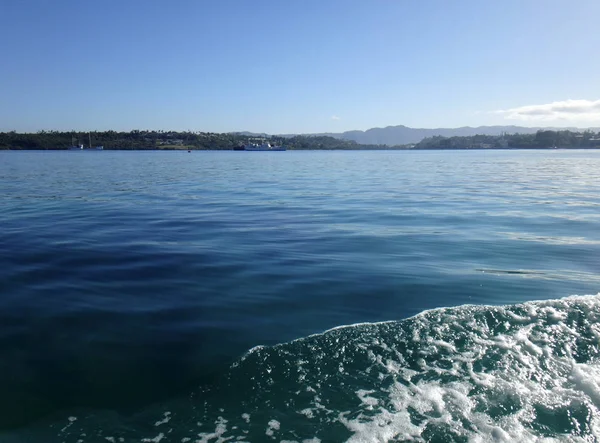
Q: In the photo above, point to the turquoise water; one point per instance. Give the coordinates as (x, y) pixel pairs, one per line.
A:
(166, 296)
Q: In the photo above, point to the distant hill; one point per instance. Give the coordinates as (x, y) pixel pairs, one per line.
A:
(251, 134)
(402, 135)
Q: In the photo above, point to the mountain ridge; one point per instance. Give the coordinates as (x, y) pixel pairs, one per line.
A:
(403, 135)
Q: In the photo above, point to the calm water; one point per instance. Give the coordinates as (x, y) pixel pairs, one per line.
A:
(134, 284)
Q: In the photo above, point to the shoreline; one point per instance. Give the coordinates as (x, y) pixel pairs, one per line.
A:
(180, 149)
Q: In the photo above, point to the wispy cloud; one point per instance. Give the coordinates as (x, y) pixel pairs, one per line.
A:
(335, 117)
(563, 110)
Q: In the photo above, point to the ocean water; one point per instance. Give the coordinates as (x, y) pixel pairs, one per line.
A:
(369, 296)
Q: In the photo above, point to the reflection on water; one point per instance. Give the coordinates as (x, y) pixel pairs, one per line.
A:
(129, 278)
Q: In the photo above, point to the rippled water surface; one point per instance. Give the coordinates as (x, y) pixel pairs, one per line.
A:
(133, 285)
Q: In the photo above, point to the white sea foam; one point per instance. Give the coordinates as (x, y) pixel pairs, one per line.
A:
(499, 404)
(217, 435)
(156, 439)
(523, 373)
(586, 378)
(272, 427)
(71, 420)
(166, 418)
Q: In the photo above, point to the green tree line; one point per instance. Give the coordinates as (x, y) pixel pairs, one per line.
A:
(539, 140)
(145, 139)
(142, 140)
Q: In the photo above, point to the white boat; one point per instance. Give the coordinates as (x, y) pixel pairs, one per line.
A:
(262, 147)
(79, 147)
(75, 147)
(97, 148)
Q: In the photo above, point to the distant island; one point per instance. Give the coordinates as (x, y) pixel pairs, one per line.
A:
(173, 140)
(403, 135)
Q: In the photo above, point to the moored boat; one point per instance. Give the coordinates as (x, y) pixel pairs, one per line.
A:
(75, 147)
(80, 147)
(262, 147)
(97, 148)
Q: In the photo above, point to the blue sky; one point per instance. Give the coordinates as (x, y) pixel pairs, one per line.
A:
(297, 66)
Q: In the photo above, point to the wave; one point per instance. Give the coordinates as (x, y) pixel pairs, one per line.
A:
(471, 373)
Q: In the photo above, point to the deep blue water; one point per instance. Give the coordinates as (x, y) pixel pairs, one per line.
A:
(133, 285)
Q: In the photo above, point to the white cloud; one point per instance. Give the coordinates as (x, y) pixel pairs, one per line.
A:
(335, 117)
(565, 110)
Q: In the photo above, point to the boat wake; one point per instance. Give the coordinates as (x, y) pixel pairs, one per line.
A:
(472, 373)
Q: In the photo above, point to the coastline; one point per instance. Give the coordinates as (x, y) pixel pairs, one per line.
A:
(192, 148)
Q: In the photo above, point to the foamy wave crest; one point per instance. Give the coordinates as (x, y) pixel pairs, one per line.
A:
(472, 373)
